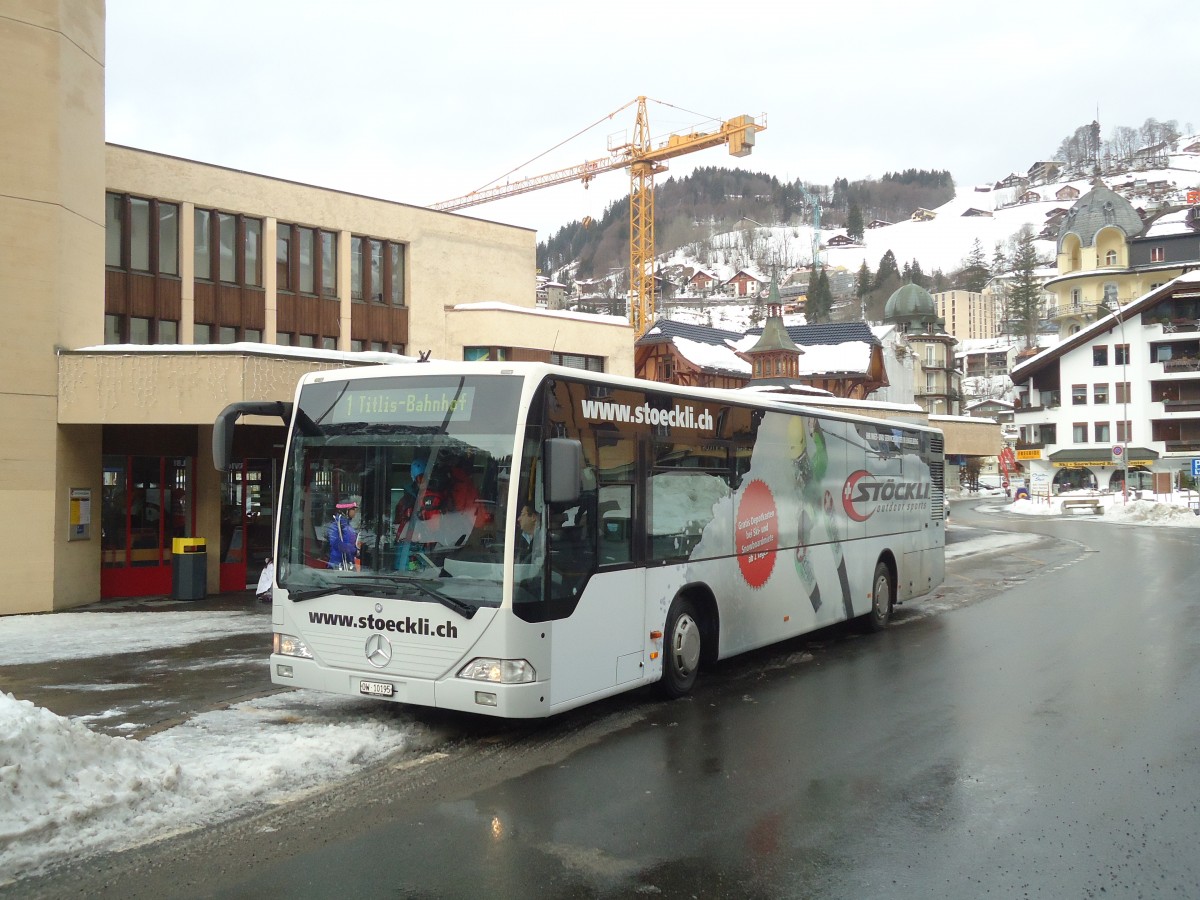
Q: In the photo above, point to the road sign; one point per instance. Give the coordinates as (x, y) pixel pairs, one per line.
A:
(1196, 468)
(1118, 454)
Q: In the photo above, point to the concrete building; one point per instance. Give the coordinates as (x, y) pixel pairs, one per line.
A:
(968, 315)
(143, 292)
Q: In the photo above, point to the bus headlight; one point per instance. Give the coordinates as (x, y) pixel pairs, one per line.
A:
(290, 645)
(499, 671)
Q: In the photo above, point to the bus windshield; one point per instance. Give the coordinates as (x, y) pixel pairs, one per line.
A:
(397, 487)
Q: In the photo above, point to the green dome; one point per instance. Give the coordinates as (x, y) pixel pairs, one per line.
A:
(910, 303)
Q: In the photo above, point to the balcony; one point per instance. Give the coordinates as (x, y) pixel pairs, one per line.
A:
(1075, 310)
(1181, 406)
(1182, 446)
(1181, 365)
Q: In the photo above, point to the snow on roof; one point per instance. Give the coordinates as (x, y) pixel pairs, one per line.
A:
(1170, 223)
(594, 318)
(252, 348)
(711, 356)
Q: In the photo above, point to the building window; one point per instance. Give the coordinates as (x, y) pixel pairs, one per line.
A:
(1124, 432)
(1100, 356)
(306, 247)
(1102, 433)
(1079, 432)
(236, 240)
(1078, 394)
(253, 335)
(1158, 254)
(578, 361)
(377, 270)
(306, 340)
(283, 257)
(1121, 354)
(1110, 258)
(283, 339)
(1099, 393)
(201, 333)
(328, 343)
(486, 354)
(119, 329)
(328, 263)
(1123, 392)
(1076, 297)
(253, 251)
(1110, 293)
(141, 235)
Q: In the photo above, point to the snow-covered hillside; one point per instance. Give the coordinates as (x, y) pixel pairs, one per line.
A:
(985, 213)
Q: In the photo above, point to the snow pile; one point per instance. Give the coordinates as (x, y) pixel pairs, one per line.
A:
(80, 635)
(66, 792)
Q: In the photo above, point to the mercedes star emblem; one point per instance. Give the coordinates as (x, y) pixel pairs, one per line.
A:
(378, 650)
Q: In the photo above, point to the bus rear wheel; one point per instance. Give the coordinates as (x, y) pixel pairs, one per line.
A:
(681, 649)
(882, 595)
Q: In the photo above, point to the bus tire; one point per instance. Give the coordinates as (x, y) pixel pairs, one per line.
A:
(682, 646)
(883, 593)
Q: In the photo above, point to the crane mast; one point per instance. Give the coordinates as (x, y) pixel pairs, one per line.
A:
(644, 161)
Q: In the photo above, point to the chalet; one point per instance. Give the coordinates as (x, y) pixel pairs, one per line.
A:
(1193, 147)
(842, 240)
(975, 211)
(845, 359)
(1067, 192)
(1010, 180)
(701, 282)
(923, 215)
(745, 284)
(1044, 171)
(692, 355)
(1030, 197)
(878, 223)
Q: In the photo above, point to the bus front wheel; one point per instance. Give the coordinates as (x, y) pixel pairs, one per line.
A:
(681, 649)
(882, 594)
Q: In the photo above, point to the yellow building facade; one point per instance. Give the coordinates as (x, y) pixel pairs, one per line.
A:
(143, 292)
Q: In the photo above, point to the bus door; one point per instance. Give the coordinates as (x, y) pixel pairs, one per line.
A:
(595, 588)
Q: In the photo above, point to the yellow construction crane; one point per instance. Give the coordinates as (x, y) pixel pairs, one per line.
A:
(644, 161)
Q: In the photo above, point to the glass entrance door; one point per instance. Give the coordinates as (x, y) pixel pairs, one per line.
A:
(247, 522)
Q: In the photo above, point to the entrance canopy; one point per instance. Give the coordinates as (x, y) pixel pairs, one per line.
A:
(1100, 457)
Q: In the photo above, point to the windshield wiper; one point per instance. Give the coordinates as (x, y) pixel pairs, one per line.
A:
(373, 585)
(319, 592)
(368, 585)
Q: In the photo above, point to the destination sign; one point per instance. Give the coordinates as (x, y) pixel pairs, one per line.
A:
(399, 406)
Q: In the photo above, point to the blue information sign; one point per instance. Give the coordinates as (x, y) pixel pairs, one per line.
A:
(1196, 468)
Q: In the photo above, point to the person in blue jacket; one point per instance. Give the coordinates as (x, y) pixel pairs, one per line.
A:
(342, 537)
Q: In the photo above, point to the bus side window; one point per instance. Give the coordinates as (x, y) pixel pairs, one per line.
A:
(616, 523)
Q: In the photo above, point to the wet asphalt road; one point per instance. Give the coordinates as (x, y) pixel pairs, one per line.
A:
(1030, 730)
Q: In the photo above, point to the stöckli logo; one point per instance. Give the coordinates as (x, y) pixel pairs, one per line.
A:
(864, 494)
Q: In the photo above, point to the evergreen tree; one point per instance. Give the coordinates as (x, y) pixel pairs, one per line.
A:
(916, 276)
(854, 223)
(940, 281)
(819, 305)
(974, 274)
(863, 283)
(887, 269)
(1026, 290)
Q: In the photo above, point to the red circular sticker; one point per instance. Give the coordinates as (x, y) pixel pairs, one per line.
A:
(757, 533)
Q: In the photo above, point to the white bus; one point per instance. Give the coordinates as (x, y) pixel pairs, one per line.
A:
(532, 538)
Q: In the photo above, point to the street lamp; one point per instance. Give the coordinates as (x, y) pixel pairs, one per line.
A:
(1126, 424)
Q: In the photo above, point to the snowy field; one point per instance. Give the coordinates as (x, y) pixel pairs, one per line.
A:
(68, 792)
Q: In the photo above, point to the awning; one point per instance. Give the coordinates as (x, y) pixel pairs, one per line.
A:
(1080, 459)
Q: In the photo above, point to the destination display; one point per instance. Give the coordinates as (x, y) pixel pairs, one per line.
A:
(388, 406)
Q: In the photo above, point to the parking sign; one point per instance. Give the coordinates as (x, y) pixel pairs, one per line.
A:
(1196, 468)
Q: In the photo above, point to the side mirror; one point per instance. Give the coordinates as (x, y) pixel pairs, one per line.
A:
(223, 426)
(563, 467)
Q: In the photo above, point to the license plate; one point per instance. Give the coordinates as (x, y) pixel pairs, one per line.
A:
(376, 688)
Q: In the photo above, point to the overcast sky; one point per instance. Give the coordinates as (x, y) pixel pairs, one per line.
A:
(419, 103)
